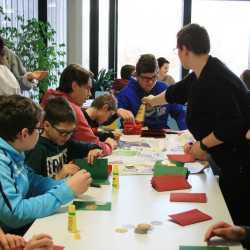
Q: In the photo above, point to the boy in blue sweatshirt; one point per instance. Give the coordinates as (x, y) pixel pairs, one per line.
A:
(129, 97)
(24, 195)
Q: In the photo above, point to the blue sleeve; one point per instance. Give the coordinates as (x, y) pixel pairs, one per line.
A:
(40, 184)
(178, 112)
(21, 209)
(123, 101)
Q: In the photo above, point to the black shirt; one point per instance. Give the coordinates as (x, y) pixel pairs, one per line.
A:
(217, 102)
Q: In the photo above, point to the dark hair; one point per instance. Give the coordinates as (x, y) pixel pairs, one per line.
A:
(58, 110)
(195, 38)
(16, 113)
(147, 63)
(109, 100)
(245, 76)
(73, 73)
(126, 71)
(161, 61)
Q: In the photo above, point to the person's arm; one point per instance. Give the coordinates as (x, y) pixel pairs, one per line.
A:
(176, 93)
(104, 135)
(17, 211)
(10, 241)
(125, 109)
(79, 149)
(85, 133)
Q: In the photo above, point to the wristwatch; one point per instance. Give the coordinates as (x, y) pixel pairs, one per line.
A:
(203, 146)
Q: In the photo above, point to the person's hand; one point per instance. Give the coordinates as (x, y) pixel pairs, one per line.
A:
(117, 135)
(93, 154)
(225, 231)
(126, 115)
(248, 134)
(67, 169)
(197, 152)
(148, 100)
(111, 142)
(187, 147)
(10, 241)
(79, 182)
(37, 75)
(40, 242)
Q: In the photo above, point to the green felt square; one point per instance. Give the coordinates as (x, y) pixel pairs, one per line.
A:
(101, 182)
(160, 169)
(92, 206)
(98, 171)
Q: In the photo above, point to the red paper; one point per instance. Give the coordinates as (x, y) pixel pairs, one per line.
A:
(190, 217)
(132, 128)
(56, 247)
(188, 197)
(169, 182)
(182, 158)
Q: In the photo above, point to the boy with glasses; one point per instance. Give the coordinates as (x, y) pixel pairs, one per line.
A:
(146, 83)
(54, 151)
(24, 195)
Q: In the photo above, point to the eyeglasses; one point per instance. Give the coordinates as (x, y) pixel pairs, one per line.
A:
(63, 132)
(148, 78)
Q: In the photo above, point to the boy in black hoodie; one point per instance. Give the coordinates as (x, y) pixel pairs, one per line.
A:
(54, 152)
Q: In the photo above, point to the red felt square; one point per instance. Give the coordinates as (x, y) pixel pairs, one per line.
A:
(169, 182)
(182, 158)
(56, 247)
(190, 217)
(130, 128)
(188, 197)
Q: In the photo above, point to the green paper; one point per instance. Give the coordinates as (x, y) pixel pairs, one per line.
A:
(202, 248)
(178, 164)
(160, 169)
(86, 205)
(98, 171)
(101, 182)
(125, 152)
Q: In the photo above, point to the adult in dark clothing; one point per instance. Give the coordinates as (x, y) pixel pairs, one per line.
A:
(217, 116)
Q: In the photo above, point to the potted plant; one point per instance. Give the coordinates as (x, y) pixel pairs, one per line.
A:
(103, 82)
(34, 42)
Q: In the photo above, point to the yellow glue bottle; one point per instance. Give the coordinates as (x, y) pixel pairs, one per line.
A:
(115, 176)
(140, 116)
(72, 218)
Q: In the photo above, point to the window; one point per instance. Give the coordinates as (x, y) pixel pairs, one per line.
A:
(228, 28)
(104, 34)
(149, 29)
(85, 33)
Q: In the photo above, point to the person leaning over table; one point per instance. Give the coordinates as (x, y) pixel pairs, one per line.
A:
(217, 116)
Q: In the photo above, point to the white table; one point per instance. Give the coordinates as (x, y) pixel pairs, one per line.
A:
(137, 202)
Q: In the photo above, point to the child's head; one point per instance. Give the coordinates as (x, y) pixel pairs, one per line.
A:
(59, 120)
(19, 121)
(105, 106)
(76, 81)
(127, 71)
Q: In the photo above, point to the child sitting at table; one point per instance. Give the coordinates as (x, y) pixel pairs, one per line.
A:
(55, 150)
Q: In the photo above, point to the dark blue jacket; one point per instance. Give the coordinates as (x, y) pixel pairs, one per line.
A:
(130, 98)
